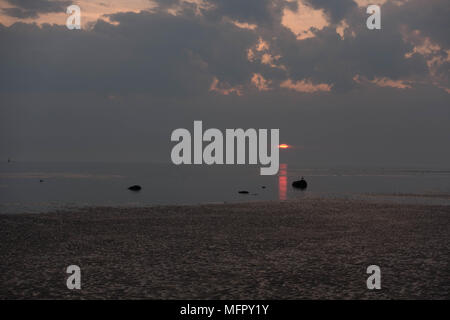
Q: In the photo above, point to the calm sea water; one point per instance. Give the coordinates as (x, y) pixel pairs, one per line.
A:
(67, 185)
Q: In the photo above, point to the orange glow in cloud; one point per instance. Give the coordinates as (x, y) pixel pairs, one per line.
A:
(304, 20)
(91, 10)
(283, 146)
(306, 86)
(384, 82)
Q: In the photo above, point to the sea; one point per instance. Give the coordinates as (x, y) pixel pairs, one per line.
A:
(33, 187)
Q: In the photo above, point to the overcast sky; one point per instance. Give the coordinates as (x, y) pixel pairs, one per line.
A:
(138, 69)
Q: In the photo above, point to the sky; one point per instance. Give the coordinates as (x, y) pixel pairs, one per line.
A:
(137, 70)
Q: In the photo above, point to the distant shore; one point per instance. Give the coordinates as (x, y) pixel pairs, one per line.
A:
(309, 249)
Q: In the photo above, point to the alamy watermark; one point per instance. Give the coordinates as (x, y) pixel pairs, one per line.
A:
(74, 20)
(374, 20)
(214, 153)
(74, 280)
(374, 280)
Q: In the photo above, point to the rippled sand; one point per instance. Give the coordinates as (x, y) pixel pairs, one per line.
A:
(314, 249)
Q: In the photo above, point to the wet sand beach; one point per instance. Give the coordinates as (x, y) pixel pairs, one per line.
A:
(309, 249)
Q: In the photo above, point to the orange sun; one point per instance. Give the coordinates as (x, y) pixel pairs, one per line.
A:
(283, 146)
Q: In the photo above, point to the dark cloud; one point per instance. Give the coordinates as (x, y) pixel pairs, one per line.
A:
(158, 53)
(180, 55)
(32, 8)
(327, 58)
(261, 12)
(20, 13)
(253, 11)
(117, 90)
(432, 18)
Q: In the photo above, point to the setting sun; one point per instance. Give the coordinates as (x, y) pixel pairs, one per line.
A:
(283, 146)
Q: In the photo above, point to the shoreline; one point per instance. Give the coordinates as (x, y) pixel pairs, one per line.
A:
(308, 249)
(375, 198)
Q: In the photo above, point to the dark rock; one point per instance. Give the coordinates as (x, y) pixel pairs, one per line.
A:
(135, 188)
(263, 187)
(300, 184)
(41, 180)
(243, 192)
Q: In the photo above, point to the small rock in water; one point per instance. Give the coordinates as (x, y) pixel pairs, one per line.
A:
(135, 188)
(263, 187)
(41, 180)
(243, 192)
(300, 184)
